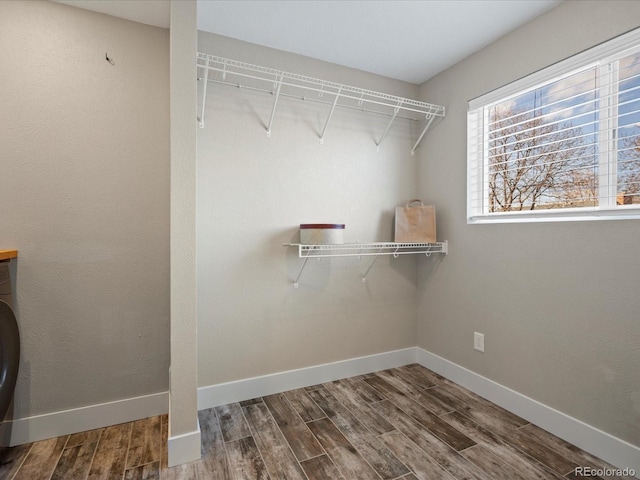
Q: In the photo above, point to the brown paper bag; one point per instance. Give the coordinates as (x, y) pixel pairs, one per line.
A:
(415, 224)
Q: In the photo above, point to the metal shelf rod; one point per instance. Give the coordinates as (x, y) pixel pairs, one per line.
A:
(309, 99)
(428, 108)
(431, 109)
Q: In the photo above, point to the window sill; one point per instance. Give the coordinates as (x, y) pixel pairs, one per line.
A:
(569, 215)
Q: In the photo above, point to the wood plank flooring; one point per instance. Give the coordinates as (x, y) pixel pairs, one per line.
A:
(405, 423)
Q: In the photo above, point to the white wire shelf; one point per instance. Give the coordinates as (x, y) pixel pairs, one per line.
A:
(365, 249)
(213, 69)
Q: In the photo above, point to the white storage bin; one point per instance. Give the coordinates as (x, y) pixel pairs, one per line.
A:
(322, 233)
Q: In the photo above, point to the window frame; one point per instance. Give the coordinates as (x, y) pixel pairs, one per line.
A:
(477, 147)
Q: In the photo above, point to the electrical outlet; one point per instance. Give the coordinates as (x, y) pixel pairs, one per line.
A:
(478, 341)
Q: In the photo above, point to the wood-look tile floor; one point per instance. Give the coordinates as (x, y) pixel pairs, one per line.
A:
(405, 423)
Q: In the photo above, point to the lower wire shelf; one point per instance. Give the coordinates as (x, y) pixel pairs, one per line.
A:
(365, 249)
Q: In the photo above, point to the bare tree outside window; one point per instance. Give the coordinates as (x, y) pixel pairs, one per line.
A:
(543, 148)
(534, 165)
(629, 131)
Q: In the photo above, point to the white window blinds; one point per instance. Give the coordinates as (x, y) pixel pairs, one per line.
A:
(566, 145)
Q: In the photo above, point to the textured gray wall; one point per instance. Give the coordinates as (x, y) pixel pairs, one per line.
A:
(558, 302)
(84, 197)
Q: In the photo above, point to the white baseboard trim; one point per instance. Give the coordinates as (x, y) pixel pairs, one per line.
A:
(601, 444)
(184, 448)
(66, 422)
(236, 391)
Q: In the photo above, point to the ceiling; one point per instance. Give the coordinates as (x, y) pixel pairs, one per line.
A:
(410, 40)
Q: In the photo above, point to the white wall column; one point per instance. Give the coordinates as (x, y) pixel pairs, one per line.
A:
(184, 430)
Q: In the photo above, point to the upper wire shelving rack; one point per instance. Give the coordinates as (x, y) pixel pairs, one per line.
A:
(284, 84)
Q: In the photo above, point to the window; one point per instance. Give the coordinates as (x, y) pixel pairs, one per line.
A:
(561, 144)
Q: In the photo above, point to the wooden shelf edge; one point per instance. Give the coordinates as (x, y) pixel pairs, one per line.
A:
(8, 254)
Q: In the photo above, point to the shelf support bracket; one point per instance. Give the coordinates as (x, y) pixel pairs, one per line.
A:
(204, 94)
(429, 118)
(393, 117)
(304, 264)
(333, 107)
(275, 103)
(375, 258)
